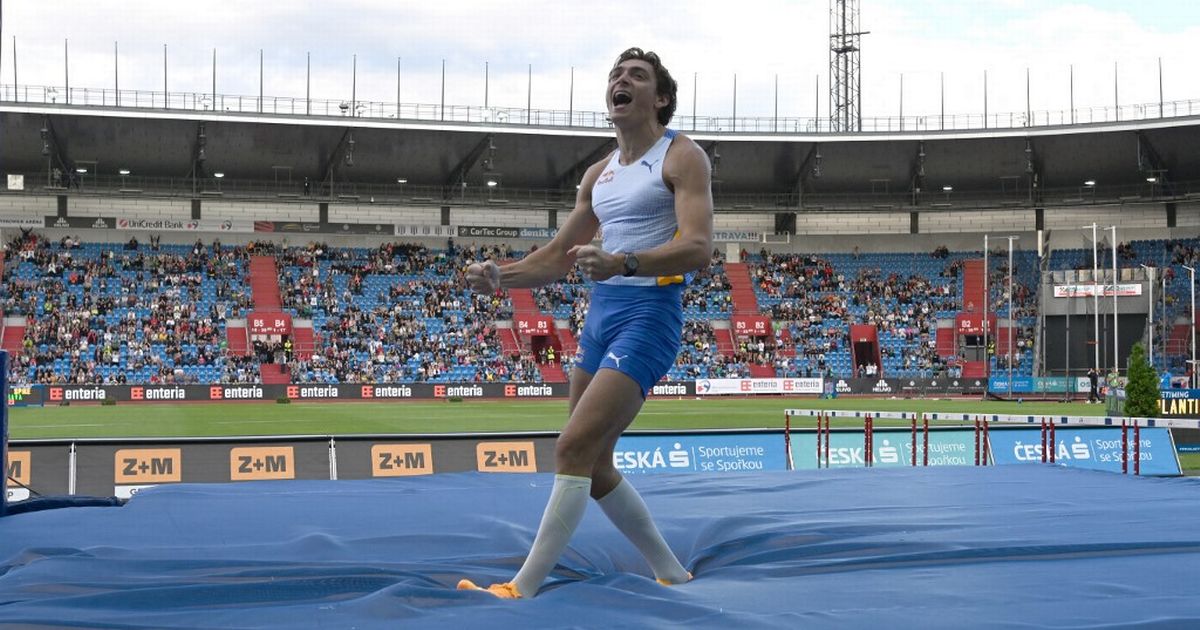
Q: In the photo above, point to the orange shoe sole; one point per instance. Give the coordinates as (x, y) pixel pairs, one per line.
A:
(505, 590)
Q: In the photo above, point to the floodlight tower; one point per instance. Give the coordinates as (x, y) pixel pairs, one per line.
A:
(845, 80)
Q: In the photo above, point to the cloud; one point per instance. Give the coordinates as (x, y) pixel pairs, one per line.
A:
(778, 50)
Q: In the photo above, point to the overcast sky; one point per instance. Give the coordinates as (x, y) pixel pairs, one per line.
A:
(704, 43)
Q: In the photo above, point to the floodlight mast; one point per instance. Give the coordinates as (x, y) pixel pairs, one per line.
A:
(845, 77)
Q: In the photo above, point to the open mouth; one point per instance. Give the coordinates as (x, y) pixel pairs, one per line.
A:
(622, 98)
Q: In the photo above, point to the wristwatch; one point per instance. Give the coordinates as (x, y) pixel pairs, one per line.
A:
(631, 265)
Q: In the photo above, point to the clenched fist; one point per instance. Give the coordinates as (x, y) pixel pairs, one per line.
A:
(483, 277)
(597, 264)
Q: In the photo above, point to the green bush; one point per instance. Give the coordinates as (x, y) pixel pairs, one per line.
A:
(108, 402)
(1141, 394)
(283, 400)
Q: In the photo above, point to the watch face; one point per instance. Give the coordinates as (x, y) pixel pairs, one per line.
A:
(631, 264)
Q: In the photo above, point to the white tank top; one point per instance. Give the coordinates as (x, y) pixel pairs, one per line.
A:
(635, 208)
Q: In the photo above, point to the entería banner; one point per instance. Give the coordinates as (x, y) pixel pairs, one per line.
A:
(726, 386)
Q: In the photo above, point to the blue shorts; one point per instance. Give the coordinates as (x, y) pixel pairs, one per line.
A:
(634, 330)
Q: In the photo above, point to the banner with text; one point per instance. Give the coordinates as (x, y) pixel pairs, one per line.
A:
(892, 448)
(177, 225)
(721, 386)
(1088, 290)
(736, 236)
(21, 222)
(1037, 384)
(751, 325)
(313, 227)
(946, 386)
(972, 323)
(1095, 448)
(721, 453)
(536, 325)
(1179, 403)
(269, 323)
(85, 223)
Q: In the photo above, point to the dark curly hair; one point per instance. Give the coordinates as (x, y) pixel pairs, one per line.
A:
(666, 85)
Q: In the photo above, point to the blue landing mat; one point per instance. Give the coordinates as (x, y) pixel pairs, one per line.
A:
(1007, 546)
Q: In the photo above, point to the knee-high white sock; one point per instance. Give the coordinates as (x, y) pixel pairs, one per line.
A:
(626, 509)
(568, 500)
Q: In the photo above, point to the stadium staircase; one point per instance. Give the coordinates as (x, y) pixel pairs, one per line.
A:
(972, 290)
(304, 340)
(725, 344)
(552, 372)
(570, 345)
(973, 300)
(745, 302)
(275, 374)
(1179, 343)
(761, 371)
(974, 369)
(787, 346)
(264, 289)
(524, 303)
(1004, 332)
(741, 289)
(509, 342)
(946, 346)
(264, 284)
(237, 338)
(13, 337)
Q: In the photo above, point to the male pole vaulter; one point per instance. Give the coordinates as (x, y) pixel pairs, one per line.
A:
(652, 198)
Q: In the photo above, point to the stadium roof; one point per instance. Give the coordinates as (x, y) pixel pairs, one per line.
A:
(433, 158)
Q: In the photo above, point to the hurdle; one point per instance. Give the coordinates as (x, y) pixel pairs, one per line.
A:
(917, 422)
(823, 432)
(822, 438)
(920, 422)
(982, 448)
(1053, 444)
(1131, 430)
(926, 440)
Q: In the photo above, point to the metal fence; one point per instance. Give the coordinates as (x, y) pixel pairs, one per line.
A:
(512, 116)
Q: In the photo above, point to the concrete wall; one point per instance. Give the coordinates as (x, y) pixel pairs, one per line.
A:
(372, 213)
(869, 231)
(28, 205)
(977, 221)
(213, 209)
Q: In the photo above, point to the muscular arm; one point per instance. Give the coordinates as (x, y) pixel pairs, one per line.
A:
(553, 261)
(686, 170)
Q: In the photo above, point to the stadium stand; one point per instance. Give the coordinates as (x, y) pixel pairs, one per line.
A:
(815, 299)
(138, 313)
(397, 313)
(105, 313)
